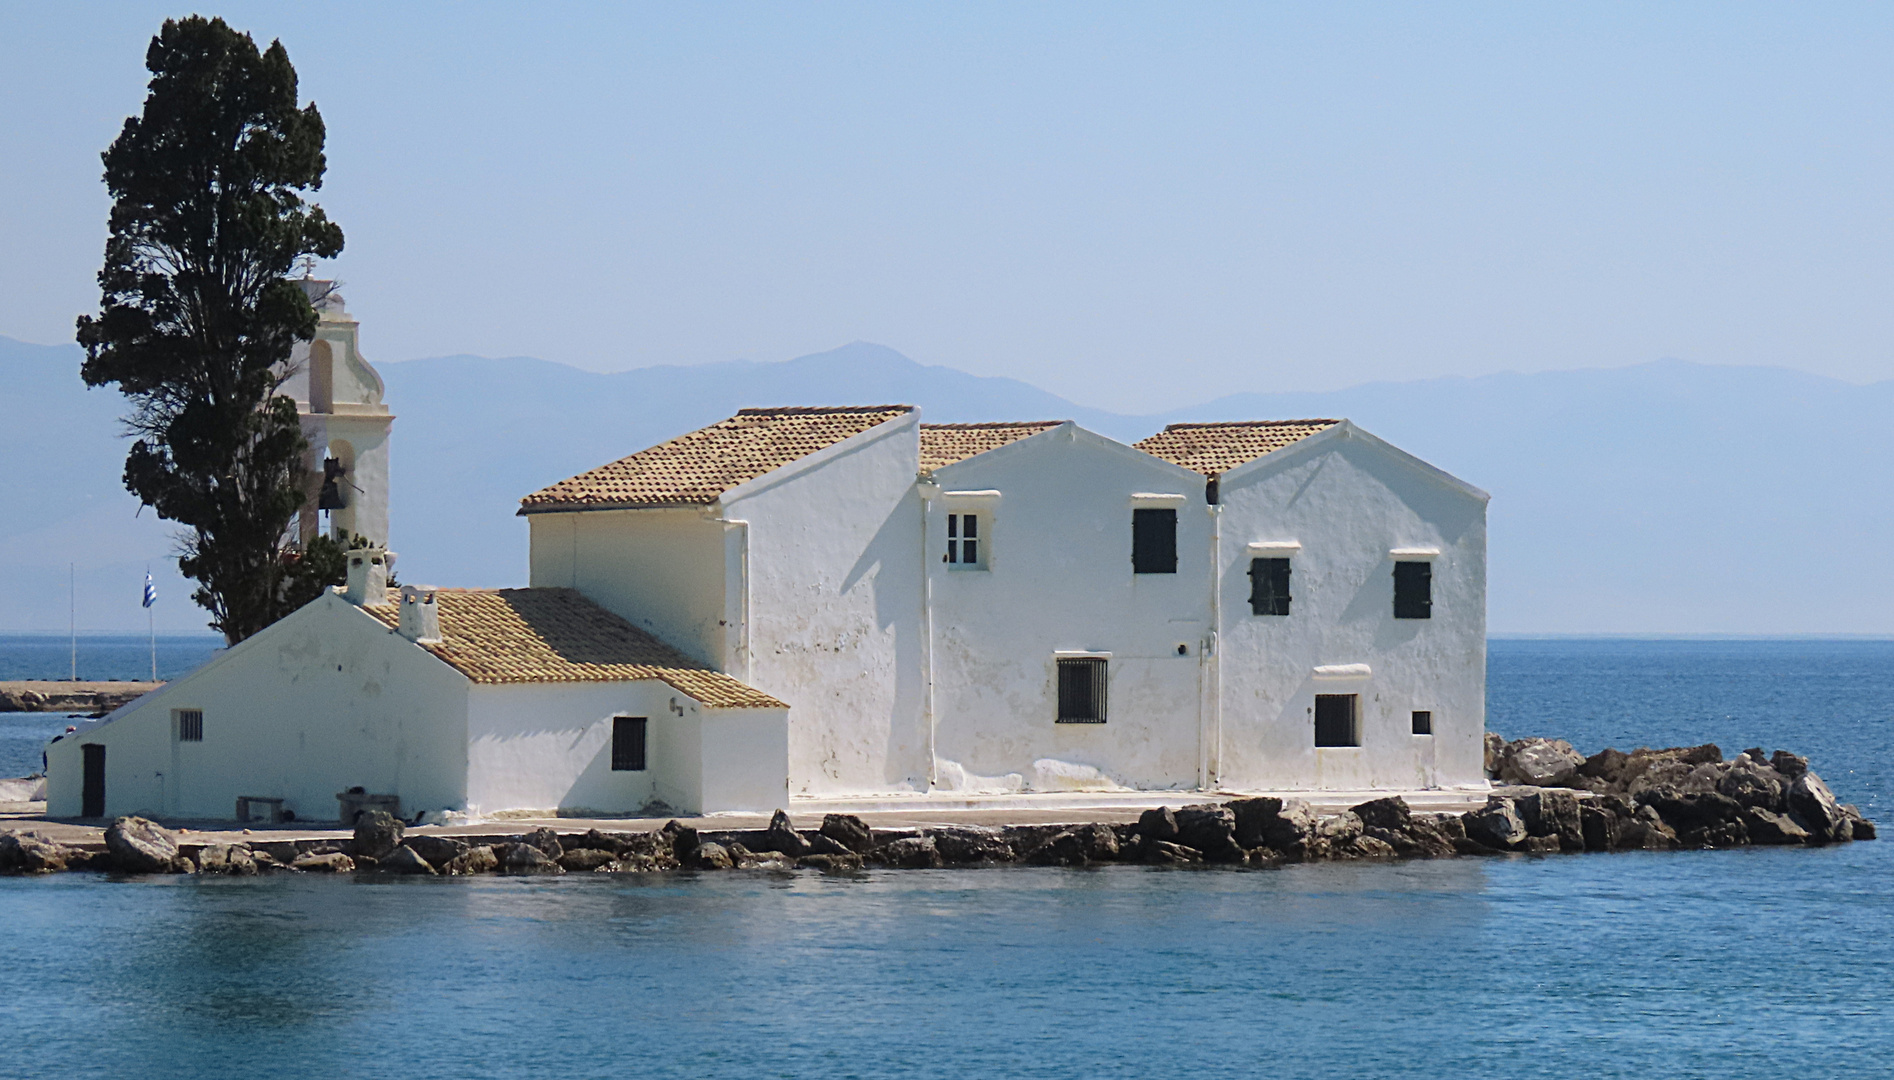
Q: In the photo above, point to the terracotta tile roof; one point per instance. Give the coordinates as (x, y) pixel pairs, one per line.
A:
(557, 635)
(697, 468)
(1216, 448)
(944, 444)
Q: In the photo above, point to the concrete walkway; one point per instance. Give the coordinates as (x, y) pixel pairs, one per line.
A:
(887, 812)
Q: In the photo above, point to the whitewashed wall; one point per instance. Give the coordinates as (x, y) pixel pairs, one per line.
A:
(1058, 578)
(661, 570)
(724, 760)
(543, 746)
(326, 699)
(1349, 499)
(834, 599)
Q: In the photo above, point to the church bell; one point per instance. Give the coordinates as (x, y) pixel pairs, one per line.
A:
(331, 497)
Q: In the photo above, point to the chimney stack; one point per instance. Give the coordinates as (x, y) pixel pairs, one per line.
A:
(368, 576)
(420, 618)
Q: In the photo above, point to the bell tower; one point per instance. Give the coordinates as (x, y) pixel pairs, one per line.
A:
(338, 396)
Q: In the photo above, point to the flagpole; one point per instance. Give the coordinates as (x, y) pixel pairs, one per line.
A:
(72, 598)
(151, 624)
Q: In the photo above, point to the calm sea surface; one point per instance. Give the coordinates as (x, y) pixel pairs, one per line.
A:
(1762, 962)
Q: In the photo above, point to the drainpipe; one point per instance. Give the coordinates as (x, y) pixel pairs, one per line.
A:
(744, 656)
(928, 490)
(1212, 654)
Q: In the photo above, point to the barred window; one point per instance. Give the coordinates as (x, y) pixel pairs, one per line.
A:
(1082, 684)
(1423, 722)
(190, 724)
(628, 743)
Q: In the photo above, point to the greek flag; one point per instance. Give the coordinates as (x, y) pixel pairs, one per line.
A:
(151, 591)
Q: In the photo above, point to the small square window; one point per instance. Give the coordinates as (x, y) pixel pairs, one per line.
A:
(1083, 681)
(628, 743)
(1423, 722)
(190, 724)
(1337, 720)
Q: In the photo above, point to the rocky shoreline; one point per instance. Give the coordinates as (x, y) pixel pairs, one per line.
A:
(1554, 800)
(93, 698)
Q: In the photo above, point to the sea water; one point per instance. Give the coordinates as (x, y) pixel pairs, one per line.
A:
(1753, 962)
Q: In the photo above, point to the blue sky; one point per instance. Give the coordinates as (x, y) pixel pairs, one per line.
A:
(1135, 206)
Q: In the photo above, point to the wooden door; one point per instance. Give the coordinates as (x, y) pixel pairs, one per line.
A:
(92, 793)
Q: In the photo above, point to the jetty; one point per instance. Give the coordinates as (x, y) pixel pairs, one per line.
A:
(65, 696)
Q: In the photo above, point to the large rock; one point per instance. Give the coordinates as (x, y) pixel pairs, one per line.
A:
(1689, 811)
(832, 863)
(405, 860)
(139, 846)
(849, 831)
(782, 837)
(546, 841)
(1292, 827)
(1645, 830)
(1768, 827)
(963, 845)
(1755, 783)
(1540, 762)
(328, 862)
(1211, 830)
(1601, 827)
(233, 859)
(1338, 831)
(475, 860)
(910, 853)
(1158, 824)
(1078, 846)
(1495, 754)
(1789, 765)
(1371, 847)
(1553, 813)
(1810, 800)
(528, 858)
(1165, 853)
(439, 851)
(1390, 813)
(585, 860)
(28, 854)
(615, 842)
(377, 834)
(1496, 825)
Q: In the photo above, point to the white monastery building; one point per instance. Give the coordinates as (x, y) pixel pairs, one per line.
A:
(833, 603)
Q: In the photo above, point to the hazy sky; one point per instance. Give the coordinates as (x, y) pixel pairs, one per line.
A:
(1133, 206)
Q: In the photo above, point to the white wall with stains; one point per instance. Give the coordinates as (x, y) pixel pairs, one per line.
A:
(1058, 577)
(1349, 500)
(661, 570)
(833, 594)
(326, 699)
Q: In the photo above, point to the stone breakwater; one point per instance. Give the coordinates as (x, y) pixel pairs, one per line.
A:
(1684, 797)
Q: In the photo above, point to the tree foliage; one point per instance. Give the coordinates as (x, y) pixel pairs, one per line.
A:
(198, 314)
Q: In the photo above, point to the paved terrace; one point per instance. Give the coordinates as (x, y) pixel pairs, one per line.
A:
(889, 812)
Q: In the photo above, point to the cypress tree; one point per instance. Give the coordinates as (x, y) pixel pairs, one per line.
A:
(198, 315)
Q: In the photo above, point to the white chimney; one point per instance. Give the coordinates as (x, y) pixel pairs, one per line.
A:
(420, 618)
(368, 576)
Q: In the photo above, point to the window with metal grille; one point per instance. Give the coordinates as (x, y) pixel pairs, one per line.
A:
(190, 725)
(1413, 590)
(1153, 540)
(1269, 586)
(628, 735)
(1082, 682)
(964, 542)
(1337, 720)
(1423, 722)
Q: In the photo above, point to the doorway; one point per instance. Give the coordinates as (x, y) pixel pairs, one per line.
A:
(92, 792)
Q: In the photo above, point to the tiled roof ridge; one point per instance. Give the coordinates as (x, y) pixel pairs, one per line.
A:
(1248, 423)
(812, 410)
(981, 425)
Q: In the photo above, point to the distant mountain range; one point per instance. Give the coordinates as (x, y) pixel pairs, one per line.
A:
(1667, 497)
